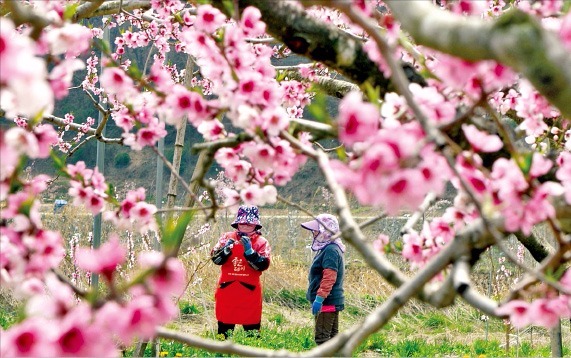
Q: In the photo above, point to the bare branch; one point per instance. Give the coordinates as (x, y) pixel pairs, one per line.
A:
(428, 201)
(316, 128)
(229, 347)
(60, 122)
(223, 143)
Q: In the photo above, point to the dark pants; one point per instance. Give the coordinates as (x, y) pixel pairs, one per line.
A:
(326, 326)
(226, 328)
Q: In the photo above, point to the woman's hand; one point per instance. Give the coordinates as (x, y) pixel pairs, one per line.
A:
(247, 244)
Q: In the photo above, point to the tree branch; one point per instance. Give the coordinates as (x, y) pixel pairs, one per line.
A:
(331, 86)
(321, 42)
(473, 236)
(538, 248)
(411, 222)
(60, 122)
(113, 7)
(515, 39)
(25, 14)
(86, 9)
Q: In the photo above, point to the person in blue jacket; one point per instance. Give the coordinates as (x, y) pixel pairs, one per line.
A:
(326, 274)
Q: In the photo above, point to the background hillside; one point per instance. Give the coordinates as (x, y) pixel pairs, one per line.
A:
(127, 169)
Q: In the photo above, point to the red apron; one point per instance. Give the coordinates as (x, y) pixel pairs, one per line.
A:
(238, 296)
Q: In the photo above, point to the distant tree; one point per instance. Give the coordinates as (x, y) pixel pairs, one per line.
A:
(122, 160)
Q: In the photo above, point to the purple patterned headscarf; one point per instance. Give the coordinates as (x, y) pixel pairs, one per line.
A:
(324, 235)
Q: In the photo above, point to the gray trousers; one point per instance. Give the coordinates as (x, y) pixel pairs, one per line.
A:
(326, 326)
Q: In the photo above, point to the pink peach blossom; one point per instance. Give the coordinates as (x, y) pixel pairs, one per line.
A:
(357, 119)
(481, 141)
(208, 18)
(31, 338)
(103, 260)
(518, 312)
(250, 22)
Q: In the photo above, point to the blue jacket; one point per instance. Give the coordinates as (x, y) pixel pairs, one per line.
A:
(330, 257)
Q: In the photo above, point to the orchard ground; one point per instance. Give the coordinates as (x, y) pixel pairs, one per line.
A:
(287, 313)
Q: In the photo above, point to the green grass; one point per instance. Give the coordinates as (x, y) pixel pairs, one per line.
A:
(301, 339)
(7, 318)
(287, 298)
(379, 344)
(278, 318)
(295, 340)
(354, 311)
(390, 341)
(435, 322)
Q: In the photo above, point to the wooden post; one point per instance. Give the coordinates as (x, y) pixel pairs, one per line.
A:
(100, 165)
(556, 341)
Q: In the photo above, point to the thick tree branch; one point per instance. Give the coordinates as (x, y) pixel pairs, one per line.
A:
(113, 7)
(538, 248)
(86, 9)
(515, 39)
(331, 86)
(25, 14)
(321, 42)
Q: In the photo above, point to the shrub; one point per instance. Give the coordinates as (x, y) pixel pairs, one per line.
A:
(122, 160)
(186, 307)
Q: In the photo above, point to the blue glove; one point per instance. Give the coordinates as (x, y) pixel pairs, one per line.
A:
(247, 244)
(228, 247)
(317, 304)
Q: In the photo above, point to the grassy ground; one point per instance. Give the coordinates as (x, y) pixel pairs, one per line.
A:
(417, 329)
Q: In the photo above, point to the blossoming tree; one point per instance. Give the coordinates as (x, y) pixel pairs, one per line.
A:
(472, 93)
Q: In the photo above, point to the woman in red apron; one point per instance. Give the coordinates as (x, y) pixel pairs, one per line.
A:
(242, 255)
